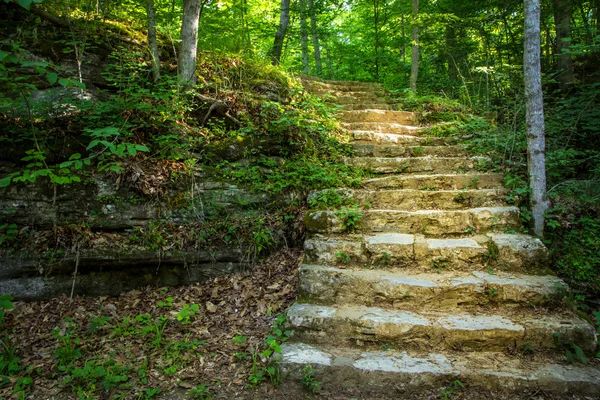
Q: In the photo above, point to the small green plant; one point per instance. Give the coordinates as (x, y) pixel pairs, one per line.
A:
(448, 392)
(241, 356)
(528, 348)
(343, 257)
(403, 168)
(439, 264)
(474, 182)
(6, 304)
(8, 234)
(462, 197)
(429, 188)
(470, 230)
(309, 379)
(187, 312)
(200, 392)
(240, 339)
(350, 217)
(490, 257)
(573, 352)
(491, 291)
(168, 302)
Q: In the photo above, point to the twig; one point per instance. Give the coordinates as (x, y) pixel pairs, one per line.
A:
(74, 275)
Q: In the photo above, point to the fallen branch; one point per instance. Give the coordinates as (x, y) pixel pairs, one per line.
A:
(48, 17)
(216, 105)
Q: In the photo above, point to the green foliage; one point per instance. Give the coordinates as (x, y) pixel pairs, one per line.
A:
(343, 257)
(200, 392)
(350, 217)
(187, 312)
(573, 352)
(309, 379)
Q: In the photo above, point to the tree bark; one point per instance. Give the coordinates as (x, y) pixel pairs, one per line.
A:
(152, 40)
(536, 143)
(315, 37)
(414, 71)
(284, 21)
(563, 11)
(304, 37)
(189, 41)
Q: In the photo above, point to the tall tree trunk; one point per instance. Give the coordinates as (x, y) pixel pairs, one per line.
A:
(315, 37)
(189, 41)
(329, 60)
(536, 143)
(284, 21)
(304, 37)
(451, 51)
(152, 40)
(414, 71)
(376, 31)
(563, 10)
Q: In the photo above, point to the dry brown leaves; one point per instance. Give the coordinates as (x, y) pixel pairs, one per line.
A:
(243, 304)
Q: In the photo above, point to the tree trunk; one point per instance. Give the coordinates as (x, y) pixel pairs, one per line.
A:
(152, 40)
(304, 37)
(563, 10)
(329, 61)
(414, 71)
(189, 41)
(376, 31)
(284, 21)
(315, 37)
(536, 143)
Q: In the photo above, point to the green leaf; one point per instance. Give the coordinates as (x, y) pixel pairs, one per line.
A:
(64, 82)
(131, 150)
(75, 156)
(6, 302)
(140, 147)
(52, 77)
(26, 4)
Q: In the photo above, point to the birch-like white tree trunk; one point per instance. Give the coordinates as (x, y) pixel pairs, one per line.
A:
(152, 40)
(189, 41)
(536, 143)
(284, 21)
(414, 70)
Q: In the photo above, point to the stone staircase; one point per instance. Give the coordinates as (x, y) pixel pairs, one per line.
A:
(433, 285)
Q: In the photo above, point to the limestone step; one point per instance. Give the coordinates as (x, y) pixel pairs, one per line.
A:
(402, 374)
(470, 180)
(381, 127)
(346, 91)
(342, 85)
(415, 290)
(434, 165)
(374, 150)
(411, 134)
(358, 98)
(510, 330)
(413, 200)
(428, 222)
(370, 106)
(397, 117)
(507, 252)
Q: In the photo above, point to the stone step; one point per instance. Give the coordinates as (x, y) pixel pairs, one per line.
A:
(347, 91)
(397, 117)
(358, 98)
(434, 165)
(353, 325)
(374, 150)
(416, 290)
(411, 137)
(413, 200)
(427, 222)
(386, 128)
(437, 182)
(394, 374)
(370, 106)
(343, 85)
(507, 252)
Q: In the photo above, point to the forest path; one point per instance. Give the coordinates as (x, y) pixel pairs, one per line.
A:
(428, 284)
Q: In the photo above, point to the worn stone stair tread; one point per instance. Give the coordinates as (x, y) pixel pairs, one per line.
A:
(399, 117)
(414, 199)
(379, 150)
(428, 222)
(437, 165)
(359, 99)
(369, 106)
(385, 128)
(504, 329)
(345, 368)
(326, 285)
(471, 179)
